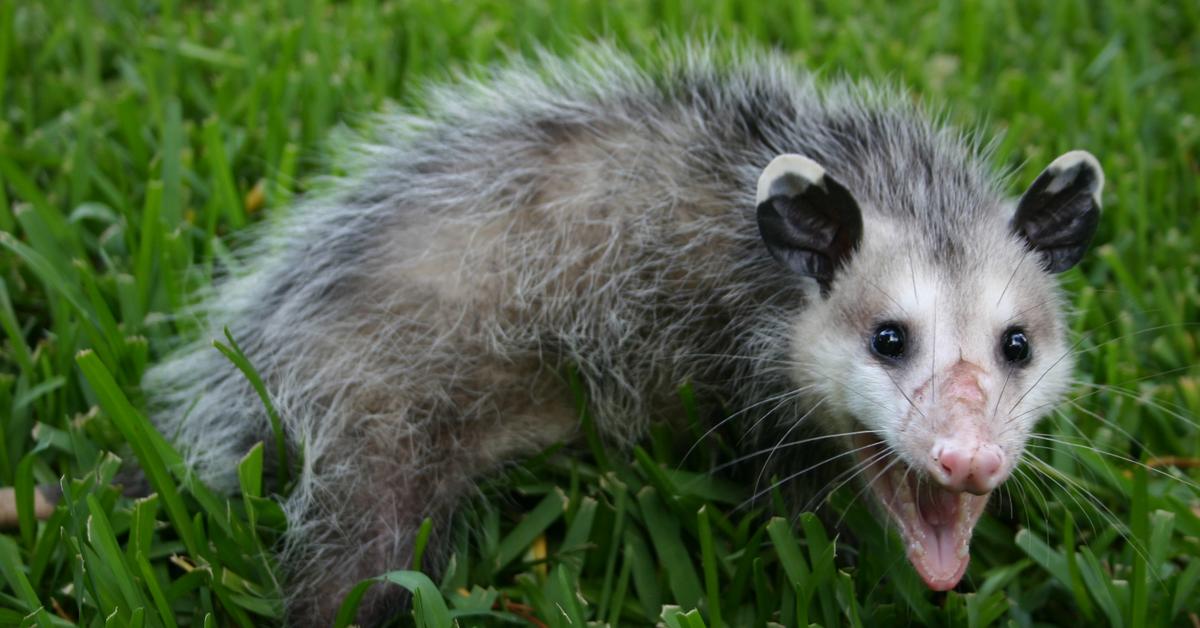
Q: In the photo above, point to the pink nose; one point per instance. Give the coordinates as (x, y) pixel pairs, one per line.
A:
(972, 467)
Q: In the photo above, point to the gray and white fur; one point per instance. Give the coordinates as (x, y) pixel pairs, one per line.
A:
(412, 323)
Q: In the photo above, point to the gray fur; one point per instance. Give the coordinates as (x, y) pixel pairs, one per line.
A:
(412, 322)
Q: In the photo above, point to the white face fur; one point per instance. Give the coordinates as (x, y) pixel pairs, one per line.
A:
(935, 366)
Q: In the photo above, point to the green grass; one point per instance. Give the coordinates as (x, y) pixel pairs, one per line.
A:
(135, 141)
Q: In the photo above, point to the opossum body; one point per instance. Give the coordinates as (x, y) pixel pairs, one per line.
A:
(822, 260)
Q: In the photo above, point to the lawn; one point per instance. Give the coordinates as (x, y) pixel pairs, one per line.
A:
(137, 140)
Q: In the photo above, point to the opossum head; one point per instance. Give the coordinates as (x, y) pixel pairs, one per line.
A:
(932, 346)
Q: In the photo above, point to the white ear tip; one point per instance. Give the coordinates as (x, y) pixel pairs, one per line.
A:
(788, 163)
(1071, 159)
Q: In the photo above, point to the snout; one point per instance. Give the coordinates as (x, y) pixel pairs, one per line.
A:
(970, 465)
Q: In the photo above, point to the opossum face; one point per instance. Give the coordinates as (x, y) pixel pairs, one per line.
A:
(935, 365)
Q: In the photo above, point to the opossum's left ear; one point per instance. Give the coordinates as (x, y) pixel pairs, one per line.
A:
(808, 220)
(1058, 214)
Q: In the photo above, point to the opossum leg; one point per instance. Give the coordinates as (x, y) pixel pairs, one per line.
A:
(367, 527)
(368, 531)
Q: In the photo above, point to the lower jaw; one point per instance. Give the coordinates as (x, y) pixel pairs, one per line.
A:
(935, 523)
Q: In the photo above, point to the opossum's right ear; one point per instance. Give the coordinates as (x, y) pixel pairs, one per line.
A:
(809, 221)
(1057, 216)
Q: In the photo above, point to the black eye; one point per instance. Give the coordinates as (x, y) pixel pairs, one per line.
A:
(888, 341)
(1015, 346)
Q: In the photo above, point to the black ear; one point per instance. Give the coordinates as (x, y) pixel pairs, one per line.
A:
(808, 221)
(1058, 215)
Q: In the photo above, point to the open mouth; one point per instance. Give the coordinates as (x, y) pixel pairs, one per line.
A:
(935, 523)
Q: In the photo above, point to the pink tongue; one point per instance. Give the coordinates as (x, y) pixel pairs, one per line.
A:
(939, 534)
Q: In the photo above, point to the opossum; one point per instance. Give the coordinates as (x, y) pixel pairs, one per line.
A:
(818, 256)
